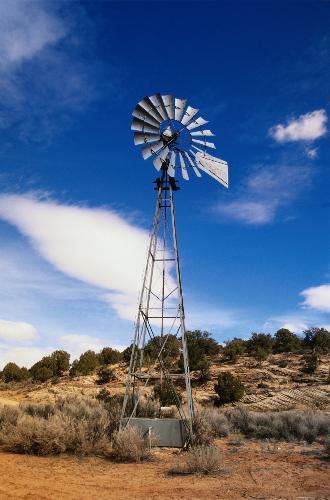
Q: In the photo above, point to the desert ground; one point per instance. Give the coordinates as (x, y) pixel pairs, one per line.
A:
(261, 469)
(251, 469)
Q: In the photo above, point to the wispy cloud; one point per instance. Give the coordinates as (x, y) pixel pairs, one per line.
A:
(317, 297)
(44, 79)
(307, 127)
(13, 331)
(264, 192)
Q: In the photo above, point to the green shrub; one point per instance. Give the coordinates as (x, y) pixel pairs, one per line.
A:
(311, 362)
(58, 362)
(283, 363)
(228, 388)
(85, 365)
(260, 346)
(170, 351)
(234, 348)
(286, 341)
(317, 338)
(166, 395)
(42, 374)
(105, 375)
(13, 373)
(109, 356)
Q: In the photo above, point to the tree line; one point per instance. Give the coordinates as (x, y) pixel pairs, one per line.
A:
(202, 348)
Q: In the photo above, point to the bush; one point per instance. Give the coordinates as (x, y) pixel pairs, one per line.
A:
(105, 375)
(166, 395)
(200, 346)
(109, 356)
(283, 363)
(42, 374)
(170, 352)
(286, 341)
(13, 373)
(199, 460)
(311, 362)
(317, 338)
(202, 430)
(57, 363)
(85, 365)
(228, 388)
(260, 346)
(234, 348)
(73, 424)
(327, 447)
(217, 421)
(286, 425)
(128, 445)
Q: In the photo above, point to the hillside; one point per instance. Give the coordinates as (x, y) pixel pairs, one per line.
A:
(267, 387)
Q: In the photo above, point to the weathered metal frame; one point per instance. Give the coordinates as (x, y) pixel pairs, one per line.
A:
(143, 326)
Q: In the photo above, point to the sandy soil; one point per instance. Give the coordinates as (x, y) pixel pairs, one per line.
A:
(251, 470)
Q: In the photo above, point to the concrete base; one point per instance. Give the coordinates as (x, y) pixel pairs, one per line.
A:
(169, 432)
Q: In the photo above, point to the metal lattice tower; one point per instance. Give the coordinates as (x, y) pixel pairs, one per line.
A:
(166, 126)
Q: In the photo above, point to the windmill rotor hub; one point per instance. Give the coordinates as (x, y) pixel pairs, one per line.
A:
(172, 133)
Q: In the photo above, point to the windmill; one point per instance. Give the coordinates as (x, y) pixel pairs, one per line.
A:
(172, 135)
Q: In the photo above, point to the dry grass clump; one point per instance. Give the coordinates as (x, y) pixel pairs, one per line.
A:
(286, 425)
(73, 424)
(203, 459)
(128, 445)
(210, 423)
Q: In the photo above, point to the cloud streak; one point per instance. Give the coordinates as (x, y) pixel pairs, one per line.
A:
(264, 192)
(13, 331)
(317, 297)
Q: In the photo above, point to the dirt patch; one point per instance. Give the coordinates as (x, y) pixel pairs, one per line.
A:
(251, 470)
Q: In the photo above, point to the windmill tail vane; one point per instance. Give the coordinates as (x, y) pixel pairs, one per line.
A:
(171, 133)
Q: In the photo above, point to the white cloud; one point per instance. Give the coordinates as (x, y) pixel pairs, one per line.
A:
(22, 356)
(311, 153)
(13, 331)
(317, 297)
(307, 127)
(26, 28)
(96, 246)
(76, 344)
(264, 192)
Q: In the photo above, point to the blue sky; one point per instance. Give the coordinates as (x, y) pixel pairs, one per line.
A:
(76, 197)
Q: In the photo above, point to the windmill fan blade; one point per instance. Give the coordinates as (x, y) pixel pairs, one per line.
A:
(159, 105)
(142, 114)
(142, 138)
(192, 164)
(197, 149)
(188, 115)
(215, 167)
(183, 168)
(197, 123)
(205, 143)
(171, 166)
(168, 101)
(180, 104)
(202, 133)
(141, 126)
(160, 158)
(148, 106)
(167, 132)
(147, 151)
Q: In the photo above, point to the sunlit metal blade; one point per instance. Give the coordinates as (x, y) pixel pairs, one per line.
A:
(180, 105)
(188, 115)
(167, 132)
(204, 143)
(147, 151)
(143, 138)
(168, 101)
(160, 158)
(159, 105)
(148, 106)
(171, 166)
(141, 126)
(202, 133)
(183, 168)
(197, 123)
(215, 167)
(197, 149)
(143, 115)
(192, 164)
